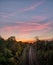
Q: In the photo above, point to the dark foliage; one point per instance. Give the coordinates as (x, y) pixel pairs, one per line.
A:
(11, 51)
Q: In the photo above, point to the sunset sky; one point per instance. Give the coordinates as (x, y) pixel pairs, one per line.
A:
(26, 19)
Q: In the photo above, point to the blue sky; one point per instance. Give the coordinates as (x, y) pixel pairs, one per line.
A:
(26, 19)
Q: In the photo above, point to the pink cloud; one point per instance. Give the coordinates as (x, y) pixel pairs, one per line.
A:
(32, 7)
(5, 16)
(26, 27)
(40, 18)
(8, 15)
(33, 28)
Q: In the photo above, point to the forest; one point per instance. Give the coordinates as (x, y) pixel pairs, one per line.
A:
(14, 52)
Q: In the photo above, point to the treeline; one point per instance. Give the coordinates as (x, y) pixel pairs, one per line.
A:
(44, 52)
(11, 51)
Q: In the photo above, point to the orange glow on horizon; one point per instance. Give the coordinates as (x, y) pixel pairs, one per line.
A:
(29, 40)
(26, 40)
(32, 40)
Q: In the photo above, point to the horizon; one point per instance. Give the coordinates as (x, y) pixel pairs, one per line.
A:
(29, 40)
(26, 19)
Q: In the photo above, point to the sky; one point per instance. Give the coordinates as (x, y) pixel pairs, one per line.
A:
(26, 19)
